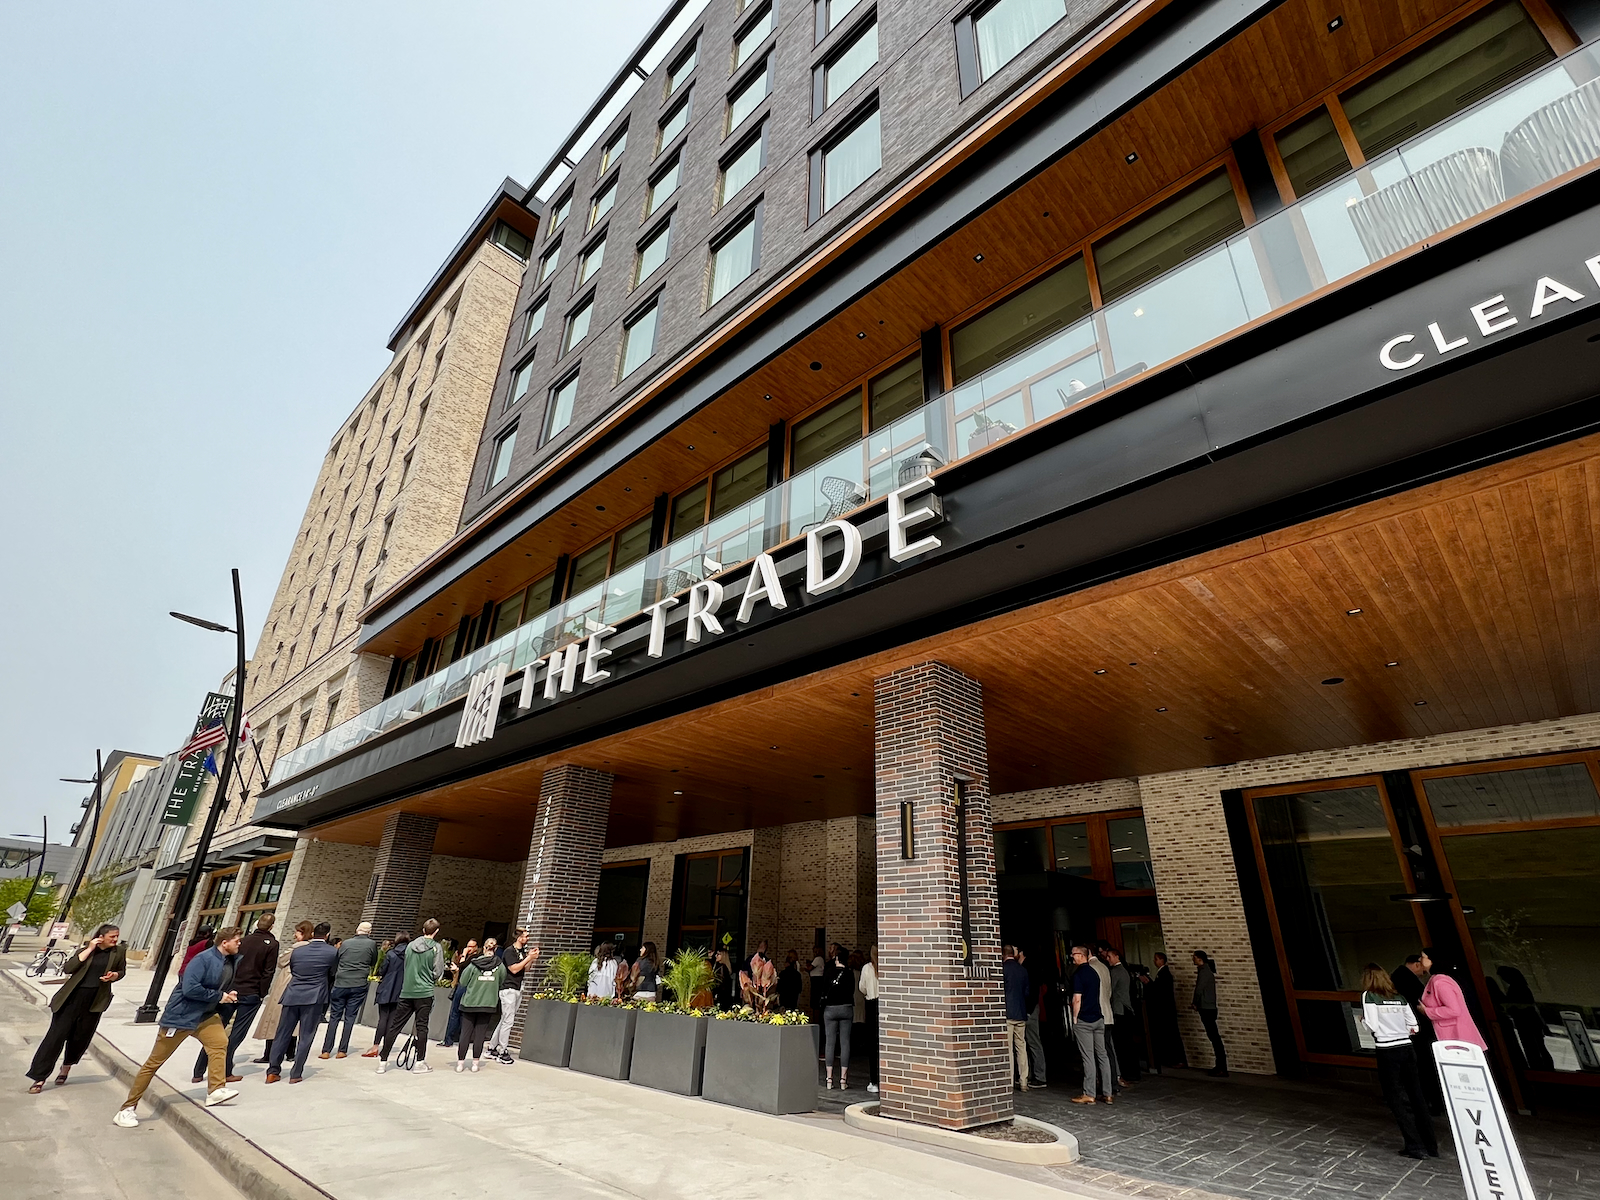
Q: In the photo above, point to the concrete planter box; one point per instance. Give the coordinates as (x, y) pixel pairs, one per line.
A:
(547, 1032)
(768, 1068)
(669, 1052)
(369, 1010)
(602, 1041)
(438, 1018)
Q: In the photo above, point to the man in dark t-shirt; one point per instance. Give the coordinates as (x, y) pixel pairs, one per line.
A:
(518, 956)
(1089, 1028)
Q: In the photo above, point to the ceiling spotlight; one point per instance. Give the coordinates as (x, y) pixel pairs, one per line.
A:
(1101, 671)
(1419, 703)
(1131, 158)
(676, 793)
(599, 508)
(768, 396)
(977, 258)
(1352, 612)
(1331, 682)
(1161, 710)
(816, 366)
(771, 747)
(862, 334)
(1209, 738)
(1336, 23)
(1395, 663)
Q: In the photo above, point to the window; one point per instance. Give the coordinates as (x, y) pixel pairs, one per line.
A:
(405, 474)
(366, 599)
(267, 884)
(831, 12)
(613, 150)
(663, 185)
(835, 76)
(589, 568)
(736, 257)
(1031, 315)
(744, 166)
(680, 70)
(503, 446)
(221, 893)
(639, 340)
(675, 122)
(1172, 232)
(895, 393)
(749, 96)
(602, 203)
(507, 616)
(559, 213)
(711, 906)
(577, 326)
(534, 321)
(550, 261)
(1005, 29)
(633, 543)
(593, 258)
(845, 164)
(519, 244)
(653, 252)
(689, 510)
(562, 398)
(826, 432)
(747, 41)
(518, 390)
(739, 483)
(332, 715)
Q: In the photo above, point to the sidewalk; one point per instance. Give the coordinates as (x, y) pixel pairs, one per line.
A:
(548, 1132)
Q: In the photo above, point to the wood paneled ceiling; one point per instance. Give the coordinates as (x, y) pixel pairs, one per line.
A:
(1477, 603)
(1271, 68)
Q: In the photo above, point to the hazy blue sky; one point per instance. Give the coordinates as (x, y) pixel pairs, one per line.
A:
(211, 218)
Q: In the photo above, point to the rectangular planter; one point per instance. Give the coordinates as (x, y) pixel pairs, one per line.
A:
(768, 1068)
(369, 1010)
(547, 1032)
(602, 1041)
(669, 1052)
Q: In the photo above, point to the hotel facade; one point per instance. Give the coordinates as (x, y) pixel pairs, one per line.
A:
(1033, 471)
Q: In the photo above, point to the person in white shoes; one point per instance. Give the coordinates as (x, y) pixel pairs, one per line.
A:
(484, 977)
(517, 957)
(205, 985)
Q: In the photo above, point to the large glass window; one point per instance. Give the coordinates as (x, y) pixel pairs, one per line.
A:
(519, 244)
(519, 383)
(653, 252)
(753, 34)
(633, 543)
(1513, 797)
(1130, 854)
(1021, 851)
(735, 258)
(749, 96)
(504, 445)
(614, 149)
(850, 161)
(638, 341)
(1312, 151)
(589, 568)
(559, 213)
(680, 70)
(267, 883)
(1004, 30)
(689, 510)
(593, 259)
(743, 167)
(1030, 316)
(1072, 855)
(562, 399)
(550, 261)
(738, 483)
(895, 393)
(850, 64)
(577, 326)
(619, 906)
(534, 321)
(602, 204)
(663, 185)
(675, 122)
(507, 616)
(1169, 234)
(825, 432)
(712, 902)
(831, 12)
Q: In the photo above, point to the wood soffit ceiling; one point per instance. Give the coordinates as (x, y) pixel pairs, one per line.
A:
(1271, 68)
(1483, 590)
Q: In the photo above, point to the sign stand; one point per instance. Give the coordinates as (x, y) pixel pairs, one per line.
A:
(1491, 1167)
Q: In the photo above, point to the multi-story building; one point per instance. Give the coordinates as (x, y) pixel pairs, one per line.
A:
(388, 494)
(1065, 470)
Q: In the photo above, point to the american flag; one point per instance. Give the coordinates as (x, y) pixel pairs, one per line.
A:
(212, 735)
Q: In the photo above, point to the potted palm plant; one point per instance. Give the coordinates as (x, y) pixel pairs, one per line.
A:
(669, 1037)
(757, 1056)
(553, 1011)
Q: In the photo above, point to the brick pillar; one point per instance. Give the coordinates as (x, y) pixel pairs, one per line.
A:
(561, 880)
(943, 1059)
(394, 896)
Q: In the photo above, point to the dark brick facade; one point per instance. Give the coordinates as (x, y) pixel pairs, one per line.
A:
(561, 881)
(394, 896)
(943, 1055)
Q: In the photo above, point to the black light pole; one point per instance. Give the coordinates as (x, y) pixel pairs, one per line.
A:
(38, 875)
(151, 1008)
(94, 831)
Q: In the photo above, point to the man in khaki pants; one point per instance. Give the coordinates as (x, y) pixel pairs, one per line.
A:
(1015, 978)
(205, 985)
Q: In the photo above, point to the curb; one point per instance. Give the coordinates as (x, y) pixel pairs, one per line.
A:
(1063, 1150)
(245, 1165)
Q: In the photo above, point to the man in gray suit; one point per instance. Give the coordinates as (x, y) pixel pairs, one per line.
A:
(311, 969)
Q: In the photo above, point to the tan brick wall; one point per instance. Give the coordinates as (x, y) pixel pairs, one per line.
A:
(463, 893)
(658, 896)
(327, 881)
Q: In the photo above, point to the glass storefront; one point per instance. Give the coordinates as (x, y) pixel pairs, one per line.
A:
(619, 906)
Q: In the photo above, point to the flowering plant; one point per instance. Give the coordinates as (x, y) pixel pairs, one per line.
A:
(759, 985)
(746, 1012)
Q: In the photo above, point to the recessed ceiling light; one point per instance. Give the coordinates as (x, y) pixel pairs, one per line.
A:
(769, 396)
(691, 447)
(816, 777)
(816, 366)
(1419, 703)
(977, 258)
(1334, 680)
(771, 747)
(1161, 710)
(1352, 612)
(862, 334)
(1131, 157)
(677, 793)
(1045, 213)
(1209, 738)
(1336, 23)
(1133, 664)
(627, 489)
(1395, 663)
(1101, 671)
(599, 508)
(852, 693)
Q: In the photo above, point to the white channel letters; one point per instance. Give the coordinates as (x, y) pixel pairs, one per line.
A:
(482, 707)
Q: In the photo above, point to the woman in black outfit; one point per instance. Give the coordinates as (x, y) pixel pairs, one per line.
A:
(838, 1012)
(77, 1005)
(391, 975)
(725, 984)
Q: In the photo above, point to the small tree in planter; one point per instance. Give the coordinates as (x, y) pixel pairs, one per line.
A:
(567, 977)
(688, 977)
(669, 1037)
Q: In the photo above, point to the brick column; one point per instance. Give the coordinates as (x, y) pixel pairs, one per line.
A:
(394, 896)
(943, 1058)
(561, 881)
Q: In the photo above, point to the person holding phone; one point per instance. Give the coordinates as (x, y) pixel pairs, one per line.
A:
(76, 1007)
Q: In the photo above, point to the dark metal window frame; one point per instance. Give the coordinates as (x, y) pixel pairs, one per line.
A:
(764, 67)
(555, 389)
(749, 22)
(545, 275)
(511, 381)
(490, 482)
(553, 233)
(754, 212)
(544, 298)
(843, 40)
(756, 136)
(662, 225)
(676, 61)
(576, 307)
(830, 142)
(613, 180)
(596, 237)
(621, 131)
(658, 175)
(684, 103)
(635, 315)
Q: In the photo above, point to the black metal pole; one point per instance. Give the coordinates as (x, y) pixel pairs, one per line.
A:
(150, 1010)
(38, 875)
(94, 829)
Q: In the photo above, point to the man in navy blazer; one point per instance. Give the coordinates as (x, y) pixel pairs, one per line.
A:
(311, 970)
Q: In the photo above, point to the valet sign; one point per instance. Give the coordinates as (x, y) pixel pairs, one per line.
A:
(1491, 1168)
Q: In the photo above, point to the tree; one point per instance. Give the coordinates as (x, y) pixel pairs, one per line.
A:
(40, 909)
(99, 900)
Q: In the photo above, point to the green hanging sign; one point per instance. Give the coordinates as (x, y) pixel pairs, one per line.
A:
(191, 778)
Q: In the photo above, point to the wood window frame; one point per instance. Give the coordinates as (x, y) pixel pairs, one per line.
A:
(213, 882)
(644, 908)
(859, 385)
(1101, 868)
(681, 898)
(1292, 994)
(249, 912)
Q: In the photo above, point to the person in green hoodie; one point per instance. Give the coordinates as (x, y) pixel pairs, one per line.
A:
(424, 962)
(483, 978)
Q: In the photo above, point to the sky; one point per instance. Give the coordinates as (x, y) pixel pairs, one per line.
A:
(211, 219)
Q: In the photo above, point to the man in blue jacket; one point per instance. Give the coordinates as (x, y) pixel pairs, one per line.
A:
(205, 985)
(311, 971)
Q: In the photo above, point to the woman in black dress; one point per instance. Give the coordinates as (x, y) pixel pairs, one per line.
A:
(1161, 1005)
(75, 1008)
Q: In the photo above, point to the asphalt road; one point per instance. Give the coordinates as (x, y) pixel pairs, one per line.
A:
(62, 1143)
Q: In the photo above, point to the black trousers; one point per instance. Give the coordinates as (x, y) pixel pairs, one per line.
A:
(1208, 1018)
(385, 1015)
(422, 1007)
(475, 1030)
(1402, 1089)
(71, 1029)
(1126, 1035)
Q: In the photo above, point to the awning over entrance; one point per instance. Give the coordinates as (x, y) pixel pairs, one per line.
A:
(263, 845)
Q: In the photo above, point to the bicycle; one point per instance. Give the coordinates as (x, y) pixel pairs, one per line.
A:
(46, 962)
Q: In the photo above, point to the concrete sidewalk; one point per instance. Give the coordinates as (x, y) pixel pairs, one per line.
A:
(549, 1132)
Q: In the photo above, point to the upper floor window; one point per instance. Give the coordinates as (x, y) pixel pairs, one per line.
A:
(563, 398)
(593, 258)
(503, 447)
(676, 121)
(831, 12)
(550, 261)
(638, 340)
(749, 96)
(653, 252)
(663, 185)
(519, 244)
(519, 383)
(602, 203)
(735, 484)
(559, 213)
(846, 162)
(750, 37)
(1026, 318)
(744, 165)
(681, 70)
(1171, 233)
(577, 326)
(613, 149)
(736, 255)
(834, 77)
(534, 321)
(1006, 28)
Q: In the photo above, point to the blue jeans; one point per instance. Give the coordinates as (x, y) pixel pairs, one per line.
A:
(345, 1003)
(452, 1027)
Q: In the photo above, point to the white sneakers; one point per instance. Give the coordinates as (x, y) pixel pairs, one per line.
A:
(460, 1066)
(126, 1118)
(474, 1066)
(422, 1068)
(873, 1088)
(382, 1066)
(221, 1096)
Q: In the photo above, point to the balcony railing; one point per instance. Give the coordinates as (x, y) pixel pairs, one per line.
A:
(1536, 130)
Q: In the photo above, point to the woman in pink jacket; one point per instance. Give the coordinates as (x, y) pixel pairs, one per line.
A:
(1447, 1008)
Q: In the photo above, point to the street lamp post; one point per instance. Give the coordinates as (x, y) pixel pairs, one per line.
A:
(150, 1010)
(94, 832)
